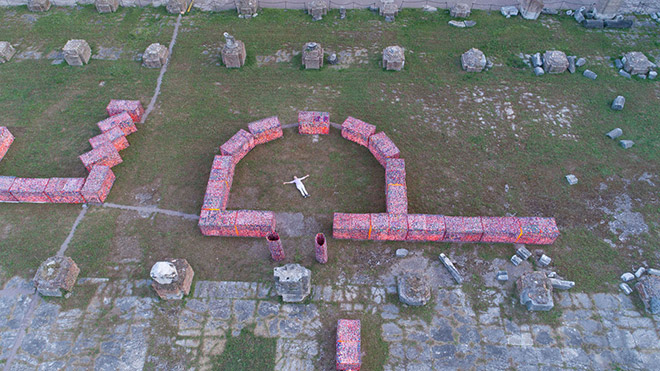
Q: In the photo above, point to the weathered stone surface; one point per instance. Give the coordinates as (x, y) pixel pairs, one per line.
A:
(460, 10)
(38, 5)
(648, 288)
(571, 64)
(401, 253)
(413, 289)
(538, 71)
(163, 272)
(177, 6)
(77, 52)
(393, 58)
(312, 55)
(106, 6)
(509, 11)
(561, 284)
(593, 24)
(292, 282)
(473, 60)
(515, 260)
(56, 276)
(590, 74)
(233, 52)
(247, 8)
(625, 74)
(626, 143)
(531, 9)
(179, 285)
(155, 56)
(636, 63)
(451, 268)
(618, 103)
(555, 61)
(535, 291)
(544, 260)
(614, 133)
(536, 60)
(317, 9)
(625, 288)
(6, 51)
(388, 9)
(571, 179)
(523, 253)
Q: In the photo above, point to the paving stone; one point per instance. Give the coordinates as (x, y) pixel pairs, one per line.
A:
(111, 348)
(390, 311)
(582, 300)
(576, 357)
(543, 335)
(443, 333)
(220, 309)
(523, 339)
(493, 335)
(290, 328)
(396, 350)
(550, 356)
(468, 334)
(606, 302)
(244, 309)
(391, 332)
(267, 308)
(646, 338)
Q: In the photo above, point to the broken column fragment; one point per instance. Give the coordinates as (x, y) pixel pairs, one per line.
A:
(451, 268)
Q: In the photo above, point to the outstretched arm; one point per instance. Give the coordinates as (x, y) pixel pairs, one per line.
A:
(288, 182)
(306, 176)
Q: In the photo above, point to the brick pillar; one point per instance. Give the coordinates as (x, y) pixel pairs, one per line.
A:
(321, 248)
(275, 246)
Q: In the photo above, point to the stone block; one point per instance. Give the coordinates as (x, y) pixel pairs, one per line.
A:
(473, 60)
(463, 229)
(312, 56)
(122, 121)
(388, 9)
(625, 288)
(535, 291)
(265, 130)
(65, 190)
(233, 54)
(351, 226)
(590, 74)
(636, 63)
(538, 231)
(509, 11)
(451, 268)
(155, 56)
(38, 5)
(500, 229)
(626, 144)
(531, 9)
(177, 6)
(571, 179)
(56, 276)
(77, 52)
(6, 139)
(555, 61)
(6, 51)
(312, 122)
(321, 248)
(292, 282)
(238, 145)
(254, 223)
(218, 222)
(523, 253)
(618, 103)
(388, 227)
(317, 9)
(105, 154)
(106, 6)
(217, 193)
(460, 10)
(247, 8)
(424, 227)
(396, 199)
(114, 136)
(98, 183)
(413, 289)
(132, 107)
(177, 285)
(357, 131)
(383, 148)
(5, 188)
(30, 190)
(615, 133)
(648, 289)
(544, 260)
(348, 352)
(394, 58)
(275, 246)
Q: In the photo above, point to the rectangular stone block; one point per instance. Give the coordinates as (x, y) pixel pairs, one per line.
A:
(5, 186)
(351, 226)
(218, 222)
(106, 6)
(65, 190)
(254, 223)
(397, 199)
(7, 51)
(30, 190)
(6, 139)
(77, 52)
(382, 147)
(357, 131)
(217, 195)
(395, 172)
(425, 227)
(538, 231)
(389, 227)
(132, 107)
(463, 229)
(238, 146)
(313, 122)
(500, 229)
(98, 184)
(122, 120)
(114, 136)
(348, 345)
(105, 155)
(265, 130)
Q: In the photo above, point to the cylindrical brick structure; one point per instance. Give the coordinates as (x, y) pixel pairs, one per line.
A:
(321, 248)
(275, 246)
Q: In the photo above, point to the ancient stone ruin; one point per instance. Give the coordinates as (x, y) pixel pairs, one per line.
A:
(413, 289)
(177, 6)
(56, 276)
(393, 58)
(460, 10)
(312, 56)
(172, 278)
(6, 51)
(292, 282)
(233, 52)
(77, 52)
(555, 61)
(155, 56)
(531, 9)
(636, 63)
(473, 60)
(38, 5)
(535, 291)
(648, 288)
(317, 9)
(388, 9)
(106, 6)
(321, 248)
(247, 8)
(275, 246)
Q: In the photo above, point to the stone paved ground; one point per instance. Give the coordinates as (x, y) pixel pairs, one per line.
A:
(120, 327)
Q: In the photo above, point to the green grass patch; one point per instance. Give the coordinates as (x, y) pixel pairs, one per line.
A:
(246, 352)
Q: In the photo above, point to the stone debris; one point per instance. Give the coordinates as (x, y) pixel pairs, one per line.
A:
(580, 62)
(155, 56)
(531, 9)
(523, 253)
(430, 9)
(515, 260)
(473, 60)
(247, 8)
(388, 9)
(6, 51)
(555, 61)
(571, 179)
(544, 260)
(460, 10)
(177, 6)
(172, 284)
(401, 253)
(38, 5)
(627, 277)
(332, 59)
(77, 52)
(636, 63)
(275, 246)
(626, 143)
(648, 288)
(625, 288)
(618, 103)
(106, 6)
(561, 284)
(394, 58)
(640, 271)
(593, 24)
(536, 60)
(625, 74)
(312, 56)
(618, 64)
(413, 289)
(56, 276)
(538, 71)
(509, 11)
(292, 282)
(590, 74)
(571, 63)
(614, 133)
(451, 268)
(342, 12)
(459, 24)
(321, 248)
(653, 75)
(233, 52)
(535, 291)
(653, 272)
(317, 9)
(502, 276)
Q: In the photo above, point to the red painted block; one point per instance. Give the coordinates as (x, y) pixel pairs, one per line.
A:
(538, 231)
(124, 121)
(265, 130)
(115, 136)
(6, 139)
(65, 190)
(349, 355)
(218, 222)
(98, 184)
(395, 171)
(30, 190)
(254, 223)
(351, 226)
(217, 196)
(425, 227)
(238, 146)
(275, 246)
(223, 162)
(357, 131)
(397, 199)
(5, 186)
(463, 229)
(313, 122)
(389, 227)
(500, 229)
(222, 170)
(104, 155)
(321, 248)
(132, 107)
(382, 147)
